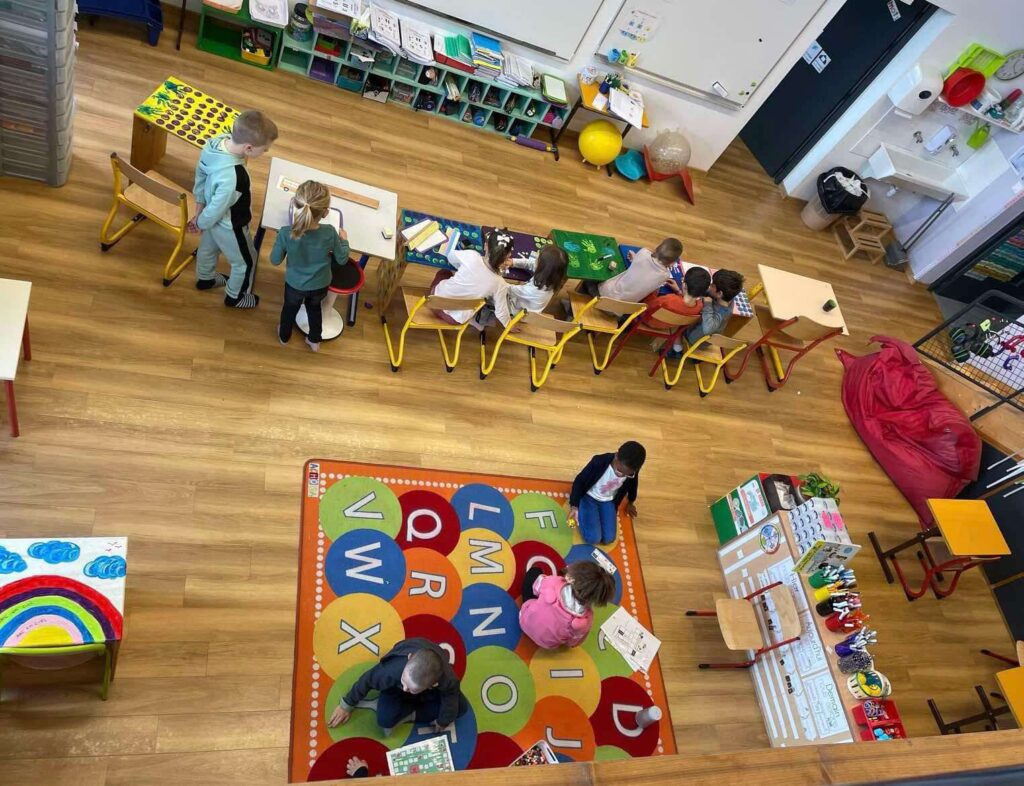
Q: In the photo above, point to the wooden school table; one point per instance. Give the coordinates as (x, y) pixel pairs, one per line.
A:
(796, 313)
(177, 109)
(970, 533)
(1011, 685)
(367, 211)
(62, 600)
(801, 692)
(13, 339)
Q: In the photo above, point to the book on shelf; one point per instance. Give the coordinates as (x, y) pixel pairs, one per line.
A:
(416, 43)
(453, 51)
(385, 29)
(516, 71)
(487, 56)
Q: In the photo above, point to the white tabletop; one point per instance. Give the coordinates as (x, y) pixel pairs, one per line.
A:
(13, 311)
(363, 224)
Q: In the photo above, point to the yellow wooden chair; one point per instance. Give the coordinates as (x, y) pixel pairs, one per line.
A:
(715, 350)
(150, 195)
(601, 315)
(535, 331)
(420, 306)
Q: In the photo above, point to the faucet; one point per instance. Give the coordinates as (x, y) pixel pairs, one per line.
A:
(954, 150)
(939, 140)
(918, 137)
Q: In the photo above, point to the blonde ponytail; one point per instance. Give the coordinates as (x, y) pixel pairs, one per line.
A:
(312, 201)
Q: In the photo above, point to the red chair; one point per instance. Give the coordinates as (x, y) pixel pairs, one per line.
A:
(741, 630)
(676, 325)
(346, 279)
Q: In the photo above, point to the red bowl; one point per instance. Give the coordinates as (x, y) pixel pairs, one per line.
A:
(963, 86)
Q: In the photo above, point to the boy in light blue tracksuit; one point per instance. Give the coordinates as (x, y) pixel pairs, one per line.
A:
(224, 208)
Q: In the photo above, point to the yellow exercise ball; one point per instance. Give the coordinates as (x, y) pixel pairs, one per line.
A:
(600, 142)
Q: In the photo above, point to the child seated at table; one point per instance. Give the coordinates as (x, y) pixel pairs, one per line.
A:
(308, 245)
(716, 311)
(647, 273)
(687, 302)
(600, 486)
(549, 275)
(558, 610)
(475, 277)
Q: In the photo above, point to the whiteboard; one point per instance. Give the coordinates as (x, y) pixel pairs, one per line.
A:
(555, 27)
(696, 45)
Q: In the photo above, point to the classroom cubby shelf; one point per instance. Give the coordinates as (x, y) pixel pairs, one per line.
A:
(485, 104)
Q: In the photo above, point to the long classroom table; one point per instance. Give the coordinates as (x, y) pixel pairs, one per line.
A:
(802, 694)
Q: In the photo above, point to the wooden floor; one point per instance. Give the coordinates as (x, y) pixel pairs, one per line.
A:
(159, 414)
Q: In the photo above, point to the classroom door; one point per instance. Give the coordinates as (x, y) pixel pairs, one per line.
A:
(858, 43)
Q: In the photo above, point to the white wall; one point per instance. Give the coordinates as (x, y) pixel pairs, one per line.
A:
(998, 24)
(710, 128)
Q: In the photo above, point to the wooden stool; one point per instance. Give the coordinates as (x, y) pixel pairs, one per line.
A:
(861, 236)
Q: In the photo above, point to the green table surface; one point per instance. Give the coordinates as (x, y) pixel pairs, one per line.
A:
(589, 255)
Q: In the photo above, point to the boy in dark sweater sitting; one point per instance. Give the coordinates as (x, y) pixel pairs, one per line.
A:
(601, 486)
(414, 679)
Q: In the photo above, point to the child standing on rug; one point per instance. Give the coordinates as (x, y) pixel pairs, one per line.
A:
(414, 679)
(601, 486)
(475, 278)
(558, 610)
(223, 208)
(309, 246)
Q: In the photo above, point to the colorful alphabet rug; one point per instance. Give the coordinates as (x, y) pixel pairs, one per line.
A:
(390, 553)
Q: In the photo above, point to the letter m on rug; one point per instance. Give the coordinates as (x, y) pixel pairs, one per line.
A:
(481, 554)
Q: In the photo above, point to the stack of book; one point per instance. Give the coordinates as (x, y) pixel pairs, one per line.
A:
(487, 57)
(453, 51)
(416, 43)
(385, 30)
(516, 71)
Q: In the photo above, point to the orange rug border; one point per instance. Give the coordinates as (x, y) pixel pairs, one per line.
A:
(305, 581)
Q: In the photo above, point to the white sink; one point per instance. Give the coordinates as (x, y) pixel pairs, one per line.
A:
(903, 169)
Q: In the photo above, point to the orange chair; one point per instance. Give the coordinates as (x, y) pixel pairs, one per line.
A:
(741, 630)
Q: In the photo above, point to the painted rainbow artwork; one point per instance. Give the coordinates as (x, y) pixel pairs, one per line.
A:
(53, 610)
(61, 592)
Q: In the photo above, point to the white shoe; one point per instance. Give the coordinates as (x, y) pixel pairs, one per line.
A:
(315, 346)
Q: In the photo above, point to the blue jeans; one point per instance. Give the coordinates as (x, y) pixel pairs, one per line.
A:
(394, 705)
(598, 520)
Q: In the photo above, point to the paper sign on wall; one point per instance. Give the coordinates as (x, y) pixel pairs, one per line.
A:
(812, 52)
(640, 26)
(821, 62)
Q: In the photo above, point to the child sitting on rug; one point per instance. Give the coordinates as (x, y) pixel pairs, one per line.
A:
(688, 302)
(475, 277)
(549, 275)
(309, 245)
(558, 610)
(601, 486)
(414, 679)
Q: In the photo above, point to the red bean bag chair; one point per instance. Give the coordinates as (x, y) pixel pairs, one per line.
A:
(925, 444)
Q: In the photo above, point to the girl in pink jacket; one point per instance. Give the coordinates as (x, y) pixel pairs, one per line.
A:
(558, 610)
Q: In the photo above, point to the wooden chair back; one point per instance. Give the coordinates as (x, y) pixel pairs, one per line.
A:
(667, 317)
(439, 303)
(723, 342)
(125, 175)
(547, 322)
(620, 308)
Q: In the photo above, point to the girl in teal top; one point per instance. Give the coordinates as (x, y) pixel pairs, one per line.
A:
(309, 246)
